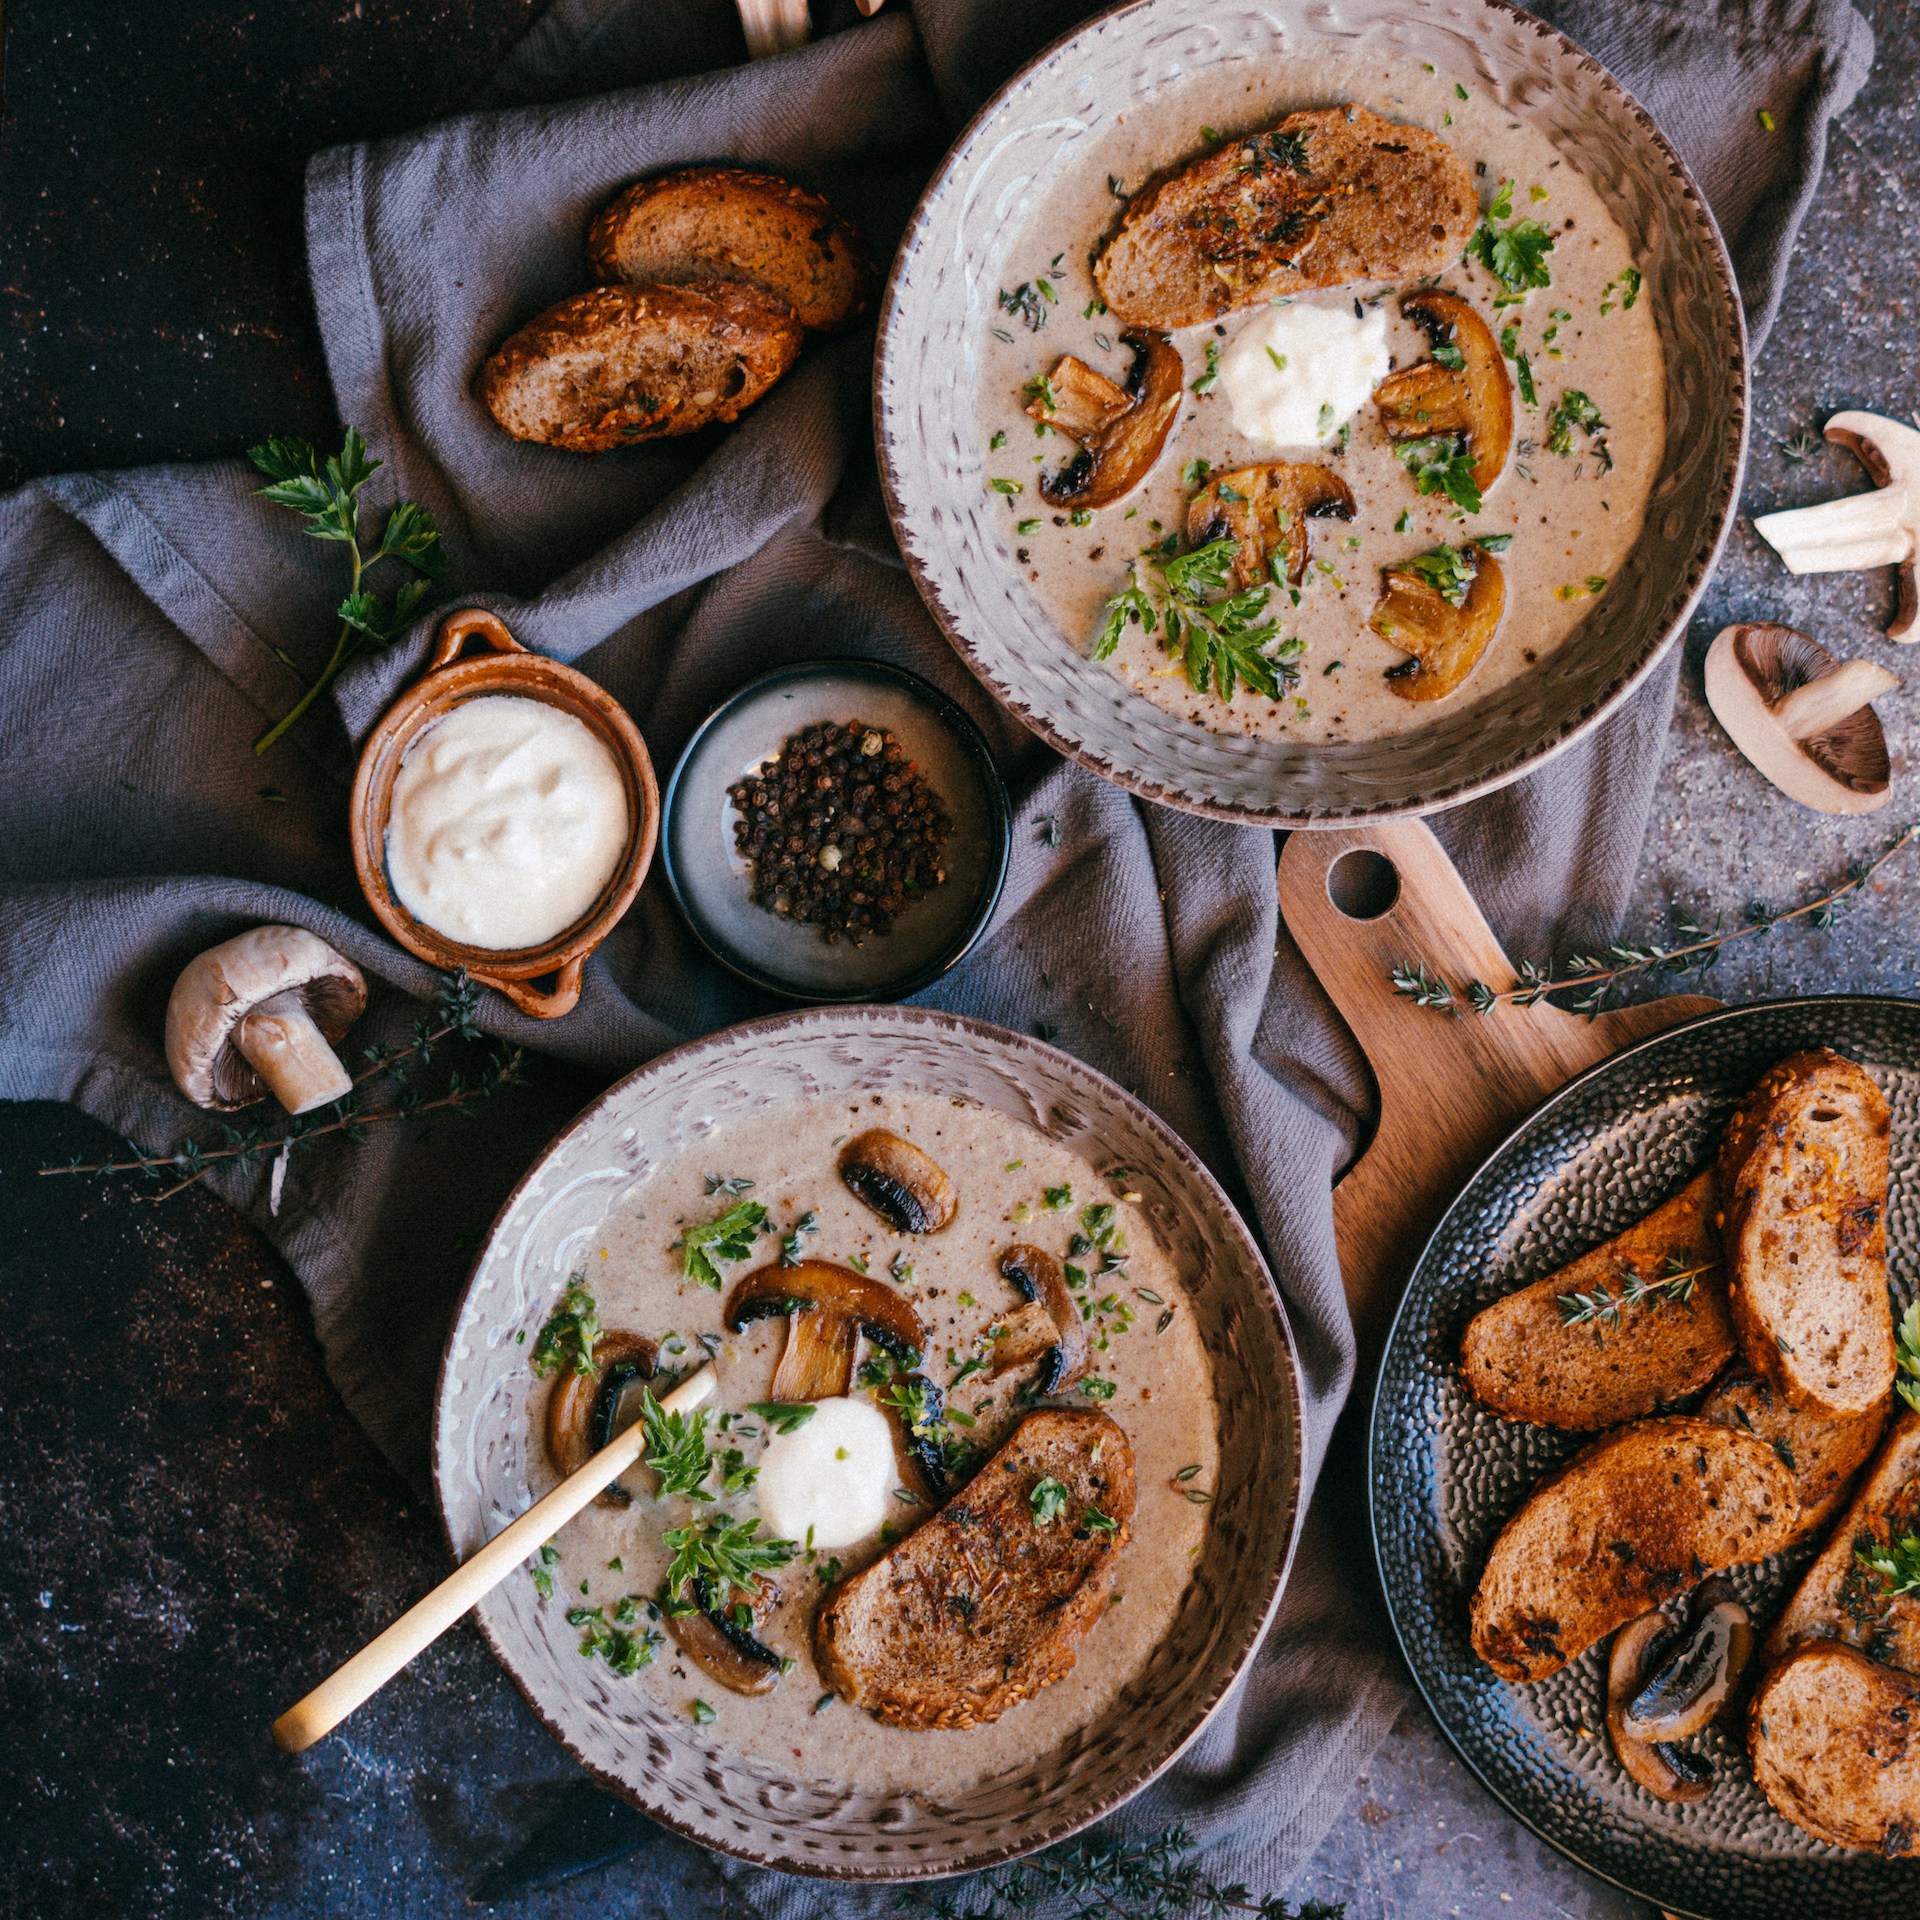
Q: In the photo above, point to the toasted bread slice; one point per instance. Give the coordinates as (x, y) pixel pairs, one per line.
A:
(1637, 1517)
(1823, 1452)
(983, 1605)
(1836, 1748)
(1803, 1188)
(1840, 1599)
(1525, 1361)
(1375, 201)
(724, 223)
(620, 364)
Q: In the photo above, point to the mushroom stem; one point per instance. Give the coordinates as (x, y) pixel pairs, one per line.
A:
(1837, 535)
(1810, 710)
(291, 1055)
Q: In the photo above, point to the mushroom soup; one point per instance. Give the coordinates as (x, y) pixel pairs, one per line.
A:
(648, 1274)
(1578, 350)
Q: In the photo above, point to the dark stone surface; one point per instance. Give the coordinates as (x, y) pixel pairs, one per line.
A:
(192, 1531)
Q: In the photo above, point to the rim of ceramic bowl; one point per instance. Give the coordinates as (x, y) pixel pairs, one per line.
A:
(1257, 1619)
(960, 724)
(1639, 664)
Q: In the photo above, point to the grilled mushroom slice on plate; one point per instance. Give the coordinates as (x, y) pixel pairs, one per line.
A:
(584, 1406)
(1267, 510)
(1443, 607)
(1461, 394)
(1120, 430)
(1041, 1280)
(721, 1636)
(826, 1308)
(1692, 1679)
(1666, 1771)
(904, 1186)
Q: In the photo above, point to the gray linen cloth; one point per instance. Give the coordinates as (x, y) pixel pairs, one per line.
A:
(148, 617)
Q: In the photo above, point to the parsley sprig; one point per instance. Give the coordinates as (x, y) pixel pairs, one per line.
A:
(1516, 255)
(1220, 641)
(1438, 465)
(724, 1551)
(1906, 1353)
(1574, 409)
(728, 1236)
(328, 498)
(567, 1338)
(677, 1448)
(1897, 1563)
(1048, 1498)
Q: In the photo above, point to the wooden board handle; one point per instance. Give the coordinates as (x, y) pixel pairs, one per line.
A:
(426, 1620)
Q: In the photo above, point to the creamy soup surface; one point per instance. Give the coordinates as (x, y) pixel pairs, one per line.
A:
(1572, 518)
(1145, 1345)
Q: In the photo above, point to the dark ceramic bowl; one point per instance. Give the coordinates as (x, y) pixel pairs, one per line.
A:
(1445, 1474)
(711, 879)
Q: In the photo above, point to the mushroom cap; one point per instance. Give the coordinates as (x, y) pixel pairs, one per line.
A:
(226, 983)
(1753, 666)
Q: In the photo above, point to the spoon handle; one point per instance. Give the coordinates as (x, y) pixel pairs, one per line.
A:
(424, 1622)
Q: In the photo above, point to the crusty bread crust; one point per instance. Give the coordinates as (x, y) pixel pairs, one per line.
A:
(1836, 1747)
(1379, 201)
(1523, 1360)
(1840, 1599)
(724, 223)
(1824, 1452)
(1642, 1514)
(982, 1606)
(1803, 1185)
(622, 364)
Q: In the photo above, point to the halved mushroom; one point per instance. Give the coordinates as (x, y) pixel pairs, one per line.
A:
(826, 1309)
(1120, 430)
(1686, 1686)
(1801, 716)
(1443, 607)
(1877, 529)
(1267, 509)
(1472, 401)
(1039, 1278)
(717, 1640)
(899, 1182)
(583, 1407)
(261, 1012)
(1668, 1772)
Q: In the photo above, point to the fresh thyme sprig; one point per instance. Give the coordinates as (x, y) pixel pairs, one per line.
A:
(1601, 1310)
(1597, 977)
(327, 497)
(1152, 1878)
(1906, 1354)
(452, 1017)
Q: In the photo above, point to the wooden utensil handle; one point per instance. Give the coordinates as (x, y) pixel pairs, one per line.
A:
(424, 1622)
(462, 625)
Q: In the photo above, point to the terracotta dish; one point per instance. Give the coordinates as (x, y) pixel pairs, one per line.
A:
(655, 1755)
(1181, 66)
(448, 680)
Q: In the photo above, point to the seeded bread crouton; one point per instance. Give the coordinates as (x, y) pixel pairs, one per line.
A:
(983, 1605)
(621, 364)
(1803, 1188)
(1524, 1360)
(1642, 1514)
(724, 223)
(1836, 1748)
(1323, 198)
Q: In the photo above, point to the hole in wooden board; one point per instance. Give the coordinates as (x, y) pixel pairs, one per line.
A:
(1363, 884)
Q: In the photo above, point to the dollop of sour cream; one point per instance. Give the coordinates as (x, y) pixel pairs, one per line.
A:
(1295, 375)
(508, 817)
(834, 1476)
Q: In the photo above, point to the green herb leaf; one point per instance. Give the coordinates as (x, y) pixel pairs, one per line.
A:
(1516, 255)
(1523, 379)
(1058, 1199)
(725, 1551)
(567, 1338)
(1099, 1522)
(1448, 571)
(1897, 1563)
(1095, 1388)
(1907, 1356)
(1439, 467)
(728, 1236)
(1048, 1499)
(1006, 486)
(783, 1416)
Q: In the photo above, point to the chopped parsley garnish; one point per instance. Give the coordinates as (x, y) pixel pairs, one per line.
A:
(1897, 1563)
(1493, 542)
(1006, 486)
(1516, 255)
(1629, 285)
(998, 441)
(626, 1653)
(1326, 417)
(1194, 472)
(1400, 525)
(676, 1447)
(1211, 378)
(783, 1416)
(1058, 1199)
(1523, 371)
(1438, 466)
(1907, 1357)
(1448, 571)
(1448, 355)
(703, 1715)
(1048, 1500)
(1099, 1522)
(1095, 1388)
(729, 1236)
(1279, 360)
(1572, 409)
(567, 1338)
(724, 1550)
(1221, 641)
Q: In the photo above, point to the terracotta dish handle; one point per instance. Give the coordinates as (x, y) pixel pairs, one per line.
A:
(458, 628)
(563, 997)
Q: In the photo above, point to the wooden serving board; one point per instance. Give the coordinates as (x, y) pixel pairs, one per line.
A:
(1450, 1089)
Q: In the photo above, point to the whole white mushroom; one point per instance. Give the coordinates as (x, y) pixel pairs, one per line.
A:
(259, 1013)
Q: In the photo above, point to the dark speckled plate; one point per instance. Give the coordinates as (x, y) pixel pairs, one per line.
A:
(1445, 1474)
